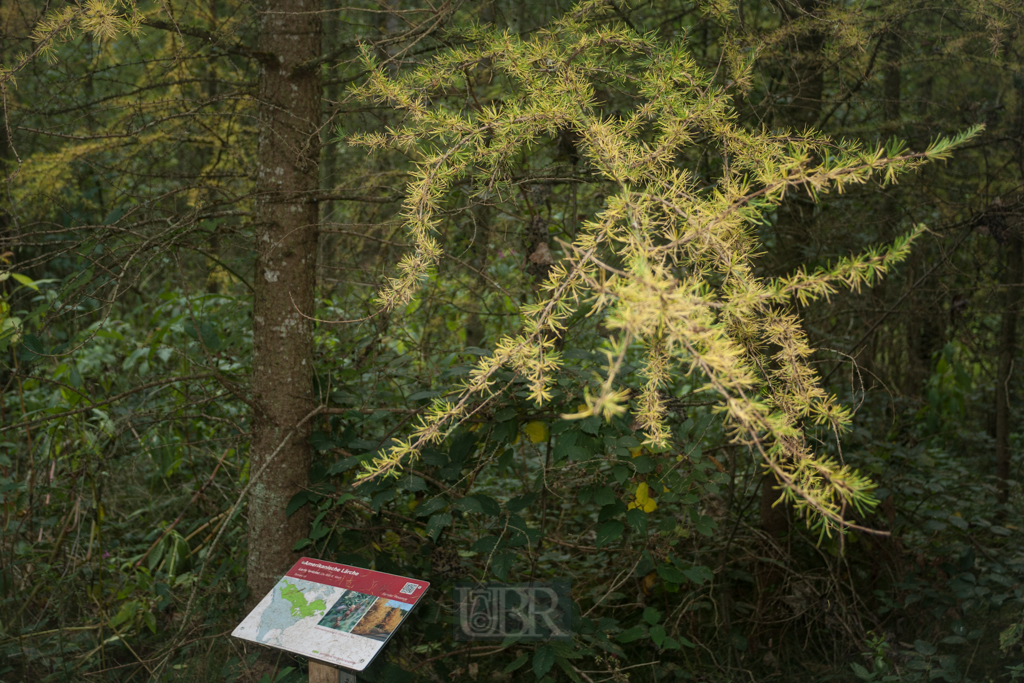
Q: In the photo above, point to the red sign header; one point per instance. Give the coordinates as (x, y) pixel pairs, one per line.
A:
(360, 580)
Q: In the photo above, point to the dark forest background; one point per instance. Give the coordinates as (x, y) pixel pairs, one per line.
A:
(194, 369)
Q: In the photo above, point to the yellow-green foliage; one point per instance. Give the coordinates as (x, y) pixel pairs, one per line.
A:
(164, 119)
(103, 19)
(669, 263)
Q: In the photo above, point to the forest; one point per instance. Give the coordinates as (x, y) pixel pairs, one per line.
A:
(709, 308)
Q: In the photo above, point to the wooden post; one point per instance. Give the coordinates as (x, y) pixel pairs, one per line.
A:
(325, 673)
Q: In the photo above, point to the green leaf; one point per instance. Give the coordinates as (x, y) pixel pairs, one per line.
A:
(629, 635)
(520, 502)
(207, 333)
(924, 647)
(468, 504)
(345, 464)
(431, 506)
(861, 672)
(567, 667)
(126, 612)
(516, 663)
(1011, 636)
(702, 424)
(178, 553)
(585, 494)
(609, 532)
(342, 499)
(670, 573)
(543, 660)
(652, 616)
(502, 563)
(379, 499)
(611, 511)
(422, 395)
(562, 426)
(364, 445)
(706, 525)
(479, 504)
(32, 349)
(115, 215)
(283, 674)
(485, 545)
(488, 505)
(591, 425)
(297, 501)
(25, 280)
(505, 414)
(698, 574)
(658, 635)
(437, 523)
(321, 441)
(638, 520)
(563, 443)
(318, 530)
(958, 522)
(673, 644)
(644, 464)
(579, 453)
(604, 496)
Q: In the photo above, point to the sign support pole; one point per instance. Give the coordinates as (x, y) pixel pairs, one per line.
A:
(324, 673)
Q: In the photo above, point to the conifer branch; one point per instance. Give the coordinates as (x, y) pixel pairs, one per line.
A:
(683, 293)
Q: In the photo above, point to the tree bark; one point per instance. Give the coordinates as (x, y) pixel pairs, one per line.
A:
(286, 246)
(1007, 351)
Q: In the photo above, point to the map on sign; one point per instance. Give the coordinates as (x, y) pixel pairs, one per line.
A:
(332, 612)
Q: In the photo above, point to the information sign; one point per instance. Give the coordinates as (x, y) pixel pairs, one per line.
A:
(332, 612)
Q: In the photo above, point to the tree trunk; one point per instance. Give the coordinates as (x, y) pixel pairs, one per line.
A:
(286, 247)
(1007, 351)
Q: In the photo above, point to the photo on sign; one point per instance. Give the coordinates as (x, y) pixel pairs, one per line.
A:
(382, 619)
(346, 612)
